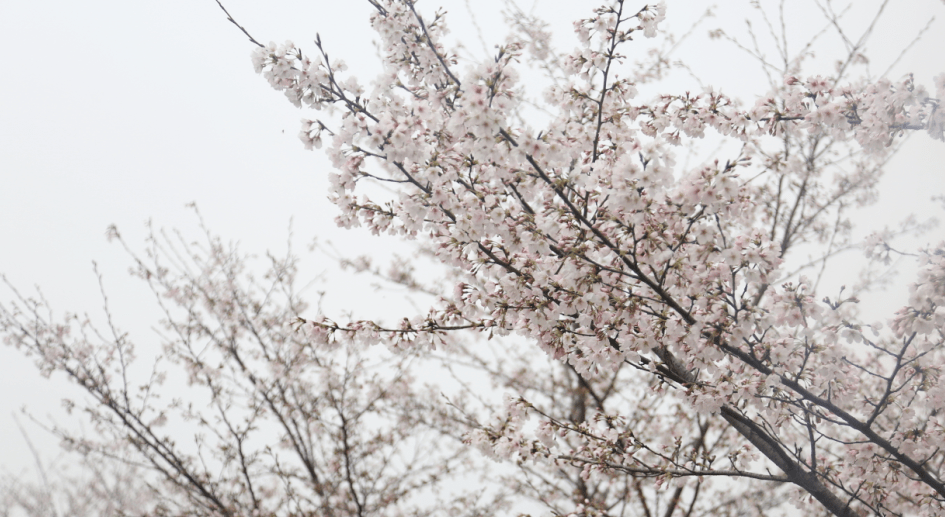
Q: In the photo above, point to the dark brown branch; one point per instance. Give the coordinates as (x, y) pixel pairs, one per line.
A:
(656, 472)
(423, 27)
(240, 27)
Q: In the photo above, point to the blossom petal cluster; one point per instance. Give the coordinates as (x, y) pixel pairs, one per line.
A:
(585, 236)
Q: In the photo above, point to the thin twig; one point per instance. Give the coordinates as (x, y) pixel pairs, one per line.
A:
(228, 17)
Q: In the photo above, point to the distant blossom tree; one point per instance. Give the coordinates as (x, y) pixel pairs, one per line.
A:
(662, 353)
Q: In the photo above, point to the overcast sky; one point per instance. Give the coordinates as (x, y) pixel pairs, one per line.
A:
(118, 111)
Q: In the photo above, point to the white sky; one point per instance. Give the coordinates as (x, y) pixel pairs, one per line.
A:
(119, 112)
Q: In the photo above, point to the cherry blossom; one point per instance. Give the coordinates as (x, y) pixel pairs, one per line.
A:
(656, 333)
(586, 238)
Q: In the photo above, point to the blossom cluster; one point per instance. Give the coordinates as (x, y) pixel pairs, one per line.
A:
(587, 238)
